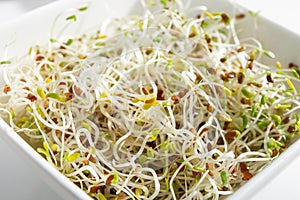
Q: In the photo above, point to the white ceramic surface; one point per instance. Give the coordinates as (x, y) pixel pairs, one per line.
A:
(35, 28)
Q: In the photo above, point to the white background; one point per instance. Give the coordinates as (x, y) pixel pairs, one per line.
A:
(29, 186)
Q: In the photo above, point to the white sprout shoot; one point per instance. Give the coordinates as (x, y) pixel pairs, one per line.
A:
(161, 106)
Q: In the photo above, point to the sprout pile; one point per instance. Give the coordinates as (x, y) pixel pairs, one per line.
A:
(160, 106)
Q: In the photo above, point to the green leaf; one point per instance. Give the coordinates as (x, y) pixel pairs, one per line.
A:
(223, 177)
(283, 106)
(86, 126)
(116, 178)
(143, 159)
(252, 13)
(263, 124)
(69, 41)
(247, 93)
(263, 100)
(253, 112)
(268, 53)
(164, 146)
(44, 150)
(72, 17)
(290, 84)
(167, 184)
(295, 73)
(66, 156)
(101, 196)
(153, 135)
(164, 3)
(150, 152)
(54, 96)
(52, 40)
(5, 62)
(245, 121)
(277, 119)
(73, 157)
(41, 92)
(271, 143)
(199, 169)
(227, 91)
(83, 8)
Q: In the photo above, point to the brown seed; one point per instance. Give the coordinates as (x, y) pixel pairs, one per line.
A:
(230, 75)
(159, 95)
(240, 77)
(292, 65)
(269, 78)
(39, 58)
(148, 51)
(196, 173)
(46, 103)
(230, 135)
(241, 49)
(240, 16)
(109, 179)
(149, 101)
(95, 188)
(226, 124)
(182, 93)
(225, 18)
(224, 78)
(122, 196)
(209, 108)
(206, 166)
(175, 99)
(211, 70)
(259, 85)
(198, 78)
(286, 120)
(234, 170)
(245, 101)
(69, 95)
(31, 97)
(210, 173)
(275, 152)
(204, 130)
(209, 146)
(244, 167)
(250, 65)
(62, 83)
(247, 176)
(207, 38)
(90, 157)
(193, 130)
(77, 91)
(6, 89)
(192, 34)
(145, 91)
(291, 129)
(223, 60)
(55, 120)
(86, 162)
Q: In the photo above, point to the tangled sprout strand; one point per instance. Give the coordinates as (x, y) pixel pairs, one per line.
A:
(161, 106)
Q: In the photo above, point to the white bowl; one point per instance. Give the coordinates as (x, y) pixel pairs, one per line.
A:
(36, 27)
